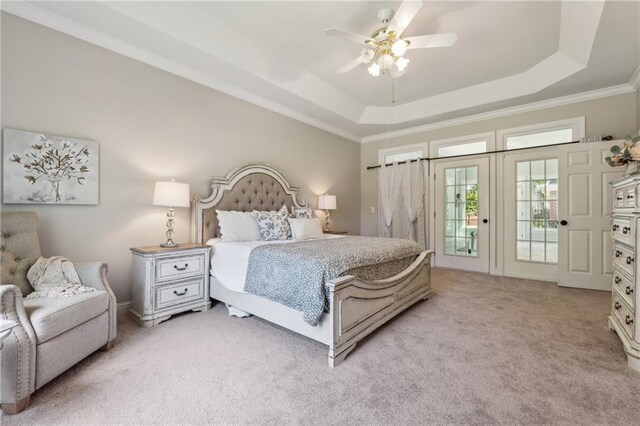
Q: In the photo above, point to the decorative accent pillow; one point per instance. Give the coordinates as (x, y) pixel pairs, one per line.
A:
(302, 212)
(305, 229)
(238, 226)
(273, 225)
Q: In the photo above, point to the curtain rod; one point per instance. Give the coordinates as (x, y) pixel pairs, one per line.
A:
(469, 155)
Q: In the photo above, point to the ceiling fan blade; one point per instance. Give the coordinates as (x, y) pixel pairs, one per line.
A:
(350, 65)
(432, 40)
(346, 35)
(405, 14)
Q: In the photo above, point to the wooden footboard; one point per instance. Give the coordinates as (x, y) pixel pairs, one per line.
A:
(359, 307)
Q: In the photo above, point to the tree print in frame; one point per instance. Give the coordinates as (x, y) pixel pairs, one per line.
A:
(46, 169)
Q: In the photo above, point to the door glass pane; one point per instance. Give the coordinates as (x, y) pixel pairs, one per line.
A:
(402, 156)
(462, 149)
(537, 210)
(461, 211)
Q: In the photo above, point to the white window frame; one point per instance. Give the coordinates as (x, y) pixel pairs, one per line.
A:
(382, 153)
(576, 124)
(488, 137)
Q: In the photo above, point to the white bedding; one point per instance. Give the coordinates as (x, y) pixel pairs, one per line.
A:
(230, 260)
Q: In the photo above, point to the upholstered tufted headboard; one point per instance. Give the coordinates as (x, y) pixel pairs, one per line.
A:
(248, 188)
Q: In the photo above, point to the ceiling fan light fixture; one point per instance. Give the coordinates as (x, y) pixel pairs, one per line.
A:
(385, 61)
(374, 70)
(402, 63)
(367, 55)
(399, 48)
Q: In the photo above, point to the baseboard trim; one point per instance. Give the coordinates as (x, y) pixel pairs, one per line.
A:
(123, 308)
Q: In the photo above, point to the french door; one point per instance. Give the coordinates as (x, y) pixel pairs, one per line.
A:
(462, 214)
(530, 215)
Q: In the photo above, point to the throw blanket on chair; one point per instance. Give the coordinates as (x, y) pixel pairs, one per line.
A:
(55, 277)
(295, 274)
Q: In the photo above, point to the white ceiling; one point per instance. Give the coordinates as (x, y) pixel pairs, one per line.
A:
(275, 54)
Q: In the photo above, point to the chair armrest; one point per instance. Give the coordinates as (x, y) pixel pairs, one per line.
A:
(18, 355)
(94, 274)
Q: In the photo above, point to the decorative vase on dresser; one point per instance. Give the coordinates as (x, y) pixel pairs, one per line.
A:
(167, 281)
(624, 297)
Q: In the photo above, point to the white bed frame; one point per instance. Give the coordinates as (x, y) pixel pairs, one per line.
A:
(357, 307)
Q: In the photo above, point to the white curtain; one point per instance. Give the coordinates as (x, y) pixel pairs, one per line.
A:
(412, 184)
(389, 191)
(401, 201)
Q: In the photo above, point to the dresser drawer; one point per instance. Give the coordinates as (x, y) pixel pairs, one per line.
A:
(624, 286)
(623, 313)
(618, 198)
(178, 293)
(622, 229)
(623, 259)
(630, 196)
(179, 267)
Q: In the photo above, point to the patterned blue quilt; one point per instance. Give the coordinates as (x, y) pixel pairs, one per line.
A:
(295, 274)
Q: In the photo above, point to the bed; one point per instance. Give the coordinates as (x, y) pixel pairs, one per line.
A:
(356, 307)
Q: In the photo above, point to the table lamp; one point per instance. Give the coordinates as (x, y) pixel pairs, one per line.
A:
(327, 202)
(171, 194)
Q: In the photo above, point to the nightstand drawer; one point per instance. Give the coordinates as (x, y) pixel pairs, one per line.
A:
(175, 294)
(178, 267)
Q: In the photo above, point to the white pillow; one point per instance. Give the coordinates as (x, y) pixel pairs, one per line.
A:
(305, 229)
(238, 226)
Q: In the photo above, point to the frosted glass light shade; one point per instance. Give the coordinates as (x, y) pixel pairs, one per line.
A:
(171, 194)
(327, 202)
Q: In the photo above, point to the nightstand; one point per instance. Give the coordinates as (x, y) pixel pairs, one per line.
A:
(335, 232)
(167, 281)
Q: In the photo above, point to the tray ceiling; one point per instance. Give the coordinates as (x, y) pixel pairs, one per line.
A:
(276, 54)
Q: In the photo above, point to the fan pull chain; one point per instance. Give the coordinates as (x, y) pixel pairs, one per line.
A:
(393, 92)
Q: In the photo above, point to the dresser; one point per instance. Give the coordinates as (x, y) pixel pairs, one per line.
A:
(624, 297)
(167, 281)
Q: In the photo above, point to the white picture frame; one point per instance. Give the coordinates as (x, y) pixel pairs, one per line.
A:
(47, 169)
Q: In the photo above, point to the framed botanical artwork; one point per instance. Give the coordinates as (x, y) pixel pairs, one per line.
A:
(47, 169)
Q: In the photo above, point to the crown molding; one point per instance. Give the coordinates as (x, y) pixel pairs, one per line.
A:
(56, 22)
(635, 79)
(534, 106)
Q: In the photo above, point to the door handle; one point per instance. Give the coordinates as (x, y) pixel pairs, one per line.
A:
(564, 222)
(485, 220)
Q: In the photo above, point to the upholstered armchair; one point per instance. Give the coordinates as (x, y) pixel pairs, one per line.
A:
(53, 334)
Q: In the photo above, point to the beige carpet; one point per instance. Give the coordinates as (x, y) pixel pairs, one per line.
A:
(484, 350)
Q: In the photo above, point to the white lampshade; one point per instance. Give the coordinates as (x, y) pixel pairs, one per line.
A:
(327, 202)
(171, 194)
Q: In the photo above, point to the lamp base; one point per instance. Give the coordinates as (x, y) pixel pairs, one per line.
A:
(326, 221)
(169, 244)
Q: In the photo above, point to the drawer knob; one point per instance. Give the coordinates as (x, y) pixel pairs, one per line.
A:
(629, 260)
(180, 294)
(626, 229)
(618, 253)
(615, 227)
(629, 197)
(177, 268)
(628, 320)
(617, 305)
(618, 280)
(628, 290)
(619, 198)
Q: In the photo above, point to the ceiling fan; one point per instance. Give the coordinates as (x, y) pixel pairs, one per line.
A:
(385, 49)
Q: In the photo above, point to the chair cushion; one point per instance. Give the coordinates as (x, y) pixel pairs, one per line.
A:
(50, 317)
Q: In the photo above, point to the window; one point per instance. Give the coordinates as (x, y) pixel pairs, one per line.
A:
(402, 156)
(542, 134)
(539, 139)
(461, 211)
(462, 149)
(537, 211)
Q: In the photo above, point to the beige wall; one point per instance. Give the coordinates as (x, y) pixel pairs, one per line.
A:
(638, 111)
(614, 116)
(151, 125)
